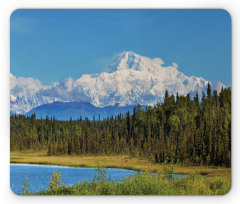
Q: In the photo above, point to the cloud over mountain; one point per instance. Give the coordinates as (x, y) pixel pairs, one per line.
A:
(66, 90)
(175, 64)
(219, 85)
(21, 82)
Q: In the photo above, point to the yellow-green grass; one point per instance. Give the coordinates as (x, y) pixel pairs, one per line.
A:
(123, 162)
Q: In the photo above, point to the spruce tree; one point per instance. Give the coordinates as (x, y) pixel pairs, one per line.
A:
(166, 95)
(209, 90)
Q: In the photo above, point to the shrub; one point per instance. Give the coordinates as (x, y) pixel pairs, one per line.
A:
(55, 180)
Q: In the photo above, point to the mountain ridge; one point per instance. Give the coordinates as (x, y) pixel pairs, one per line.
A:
(65, 110)
(131, 79)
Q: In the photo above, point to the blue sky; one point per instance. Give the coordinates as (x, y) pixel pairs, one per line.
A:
(51, 45)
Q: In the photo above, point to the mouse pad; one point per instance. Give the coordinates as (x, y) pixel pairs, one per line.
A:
(120, 102)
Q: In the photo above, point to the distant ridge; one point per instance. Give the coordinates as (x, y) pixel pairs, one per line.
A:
(65, 110)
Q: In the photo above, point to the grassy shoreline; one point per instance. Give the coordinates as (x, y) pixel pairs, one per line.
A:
(138, 184)
(122, 162)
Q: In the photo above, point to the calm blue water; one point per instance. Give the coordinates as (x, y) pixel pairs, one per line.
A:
(39, 175)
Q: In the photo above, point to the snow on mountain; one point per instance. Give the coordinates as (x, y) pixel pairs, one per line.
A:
(129, 80)
(133, 79)
(25, 94)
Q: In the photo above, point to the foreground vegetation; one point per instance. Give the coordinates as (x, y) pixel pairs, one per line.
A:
(180, 130)
(139, 184)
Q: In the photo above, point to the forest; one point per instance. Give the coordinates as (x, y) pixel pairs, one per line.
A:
(183, 130)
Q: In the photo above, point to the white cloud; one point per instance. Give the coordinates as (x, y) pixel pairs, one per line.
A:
(219, 86)
(175, 64)
(68, 83)
(29, 83)
(66, 90)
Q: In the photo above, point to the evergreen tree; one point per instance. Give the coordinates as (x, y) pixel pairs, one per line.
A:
(166, 95)
(209, 90)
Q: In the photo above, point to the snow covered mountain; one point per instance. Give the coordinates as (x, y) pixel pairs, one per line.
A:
(134, 79)
(129, 80)
(25, 94)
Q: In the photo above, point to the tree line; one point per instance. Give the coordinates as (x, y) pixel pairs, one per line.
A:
(182, 130)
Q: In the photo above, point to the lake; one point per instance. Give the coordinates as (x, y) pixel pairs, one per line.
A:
(39, 175)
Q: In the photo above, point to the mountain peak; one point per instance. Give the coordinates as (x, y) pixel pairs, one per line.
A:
(130, 54)
(130, 60)
(126, 60)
